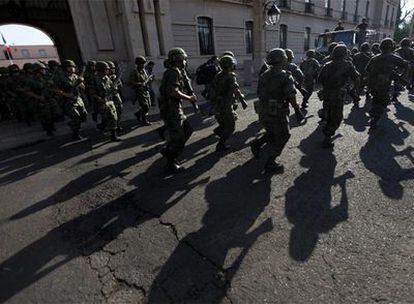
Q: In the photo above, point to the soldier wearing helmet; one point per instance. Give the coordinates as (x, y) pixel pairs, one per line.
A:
(5, 109)
(310, 68)
(380, 72)
(68, 88)
(102, 96)
(406, 52)
(40, 92)
(223, 93)
(172, 94)
(14, 91)
(360, 61)
(333, 78)
(116, 93)
(375, 49)
(330, 50)
(296, 73)
(276, 90)
(140, 81)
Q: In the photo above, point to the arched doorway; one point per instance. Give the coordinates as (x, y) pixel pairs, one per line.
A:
(52, 17)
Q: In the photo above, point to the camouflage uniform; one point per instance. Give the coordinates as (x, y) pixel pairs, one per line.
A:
(360, 61)
(116, 96)
(102, 96)
(5, 110)
(310, 68)
(89, 81)
(178, 128)
(223, 92)
(380, 71)
(46, 106)
(140, 80)
(333, 77)
(407, 53)
(15, 91)
(274, 88)
(73, 105)
(26, 104)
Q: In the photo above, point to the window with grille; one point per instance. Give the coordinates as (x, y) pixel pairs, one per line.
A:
(205, 35)
(283, 36)
(307, 38)
(249, 37)
(42, 53)
(25, 53)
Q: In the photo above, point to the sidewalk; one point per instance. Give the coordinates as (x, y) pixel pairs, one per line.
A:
(15, 135)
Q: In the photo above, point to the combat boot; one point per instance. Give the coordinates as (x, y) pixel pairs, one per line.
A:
(76, 135)
(172, 167)
(114, 137)
(144, 120)
(273, 167)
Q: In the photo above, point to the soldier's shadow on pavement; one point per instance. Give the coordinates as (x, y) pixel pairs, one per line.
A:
(90, 232)
(309, 206)
(379, 156)
(202, 266)
(404, 113)
(357, 118)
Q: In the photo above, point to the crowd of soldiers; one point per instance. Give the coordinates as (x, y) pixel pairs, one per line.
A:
(50, 91)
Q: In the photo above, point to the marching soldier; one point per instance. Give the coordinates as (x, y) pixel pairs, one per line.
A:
(116, 95)
(333, 77)
(380, 71)
(172, 93)
(276, 90)
(102, 94)
(40, 92)
(224, 92)
(140, 81)
(310, 68)
(68, 86)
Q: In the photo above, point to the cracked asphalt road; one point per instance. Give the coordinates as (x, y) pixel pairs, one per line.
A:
(98, 222)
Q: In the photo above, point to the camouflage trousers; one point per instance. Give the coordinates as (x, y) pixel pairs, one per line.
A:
(334, 108)
(277, 132)
(118, 106)
(76, 112)
(144, 103)
(227, 124)
(109, 115)
(380, 101)
(178, 132)
(47, 112)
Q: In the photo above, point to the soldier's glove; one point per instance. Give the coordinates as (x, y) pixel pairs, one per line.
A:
(299, 115)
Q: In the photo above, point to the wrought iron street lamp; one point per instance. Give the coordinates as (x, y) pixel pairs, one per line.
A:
(272, 13)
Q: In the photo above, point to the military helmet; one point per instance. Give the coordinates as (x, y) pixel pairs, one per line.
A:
(387, 44)
(289, 54)
(52, 63)
(340, 51)
(227, 62)
(310, 53)
(276, 56)
(38, 66)
(68, 63)
(140, 60)
(365, 47)
(4, 71)
(176, 54)
(406, 42)
(13, 68)
(331, 47)
(110, 64)
(28, 66)
(101, 66)
(229, 53)
(91, 63)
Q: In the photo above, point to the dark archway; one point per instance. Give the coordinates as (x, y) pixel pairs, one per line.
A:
(50, 16)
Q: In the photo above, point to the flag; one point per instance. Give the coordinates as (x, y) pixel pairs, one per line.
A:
(8, 49)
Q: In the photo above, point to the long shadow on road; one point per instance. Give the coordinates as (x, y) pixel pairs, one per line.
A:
(308, 201)
(202, 266)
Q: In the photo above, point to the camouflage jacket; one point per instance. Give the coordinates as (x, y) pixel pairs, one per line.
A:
(334, 74)
(381, 68)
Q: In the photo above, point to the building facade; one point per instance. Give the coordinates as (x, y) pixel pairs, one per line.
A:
(20, 54)
(120, 30)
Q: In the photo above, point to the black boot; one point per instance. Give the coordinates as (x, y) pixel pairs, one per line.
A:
(144, 120)
(138, 115)
(113, 136)
(76, 135)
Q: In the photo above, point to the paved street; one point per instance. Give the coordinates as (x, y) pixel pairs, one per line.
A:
(99, 222)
